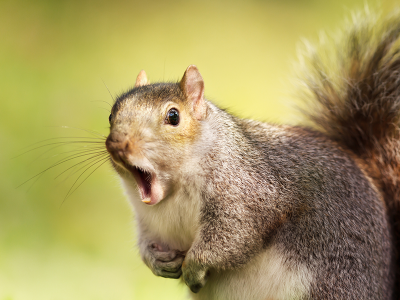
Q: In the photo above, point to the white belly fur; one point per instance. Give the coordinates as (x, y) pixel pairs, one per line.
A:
(267, 277)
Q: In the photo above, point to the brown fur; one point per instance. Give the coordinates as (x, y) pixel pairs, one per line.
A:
(360, 109)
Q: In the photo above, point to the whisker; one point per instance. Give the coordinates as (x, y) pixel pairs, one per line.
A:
(104, 108)
(85, 153)
(65, 137)
(88, 131)
(33, 183)
(79, 169)
(83, 149)
(68, 158)
(58, 143)
(102, 101)
(109, 92)
(81, 154)
(69, 192)
(90, 158)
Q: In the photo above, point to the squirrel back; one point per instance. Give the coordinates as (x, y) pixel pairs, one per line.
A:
(357, 104)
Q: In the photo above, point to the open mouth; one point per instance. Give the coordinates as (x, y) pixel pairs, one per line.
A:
(144, 181)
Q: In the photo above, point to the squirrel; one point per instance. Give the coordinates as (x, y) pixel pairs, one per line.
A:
(241, 209)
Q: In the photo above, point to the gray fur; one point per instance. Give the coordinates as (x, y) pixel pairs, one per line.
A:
(246, 201)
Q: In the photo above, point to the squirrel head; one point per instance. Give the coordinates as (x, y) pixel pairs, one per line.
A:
(152, 130)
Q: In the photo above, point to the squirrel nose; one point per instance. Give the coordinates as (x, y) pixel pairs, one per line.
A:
(118, 145)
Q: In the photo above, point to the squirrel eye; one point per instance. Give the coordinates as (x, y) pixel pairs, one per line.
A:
(172, 117)
(109, 118)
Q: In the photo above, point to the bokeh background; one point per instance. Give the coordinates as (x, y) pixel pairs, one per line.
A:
(56, 59)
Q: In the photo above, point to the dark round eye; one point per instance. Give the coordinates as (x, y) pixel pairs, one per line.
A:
(172, 117)
(109, 118)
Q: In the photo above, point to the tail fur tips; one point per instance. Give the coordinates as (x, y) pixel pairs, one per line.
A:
(355, 90)
(357, 87)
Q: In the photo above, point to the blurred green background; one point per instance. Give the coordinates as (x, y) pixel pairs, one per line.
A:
(56, 58)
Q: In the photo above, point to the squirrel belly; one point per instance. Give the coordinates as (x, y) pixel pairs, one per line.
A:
(269, 275)
(240, 209)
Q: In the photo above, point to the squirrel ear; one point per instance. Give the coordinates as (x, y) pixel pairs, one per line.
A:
(142, 79)
(192, 85)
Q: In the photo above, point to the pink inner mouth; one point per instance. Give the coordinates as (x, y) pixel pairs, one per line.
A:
(143, 180)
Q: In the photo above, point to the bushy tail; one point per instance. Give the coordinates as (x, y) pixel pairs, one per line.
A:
(356, 88)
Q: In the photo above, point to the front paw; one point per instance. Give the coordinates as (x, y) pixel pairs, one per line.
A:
(194, 275)
(164, 262)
